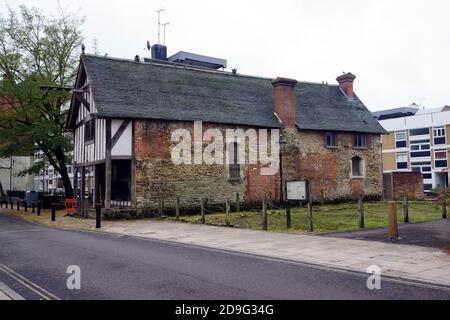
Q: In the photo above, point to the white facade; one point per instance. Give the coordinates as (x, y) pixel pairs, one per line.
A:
(9, 171)
(422, 145)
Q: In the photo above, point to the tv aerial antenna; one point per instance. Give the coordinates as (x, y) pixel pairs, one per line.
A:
(164, 25)
(159, 11)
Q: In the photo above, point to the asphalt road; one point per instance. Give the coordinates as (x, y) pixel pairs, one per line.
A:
(34, 260)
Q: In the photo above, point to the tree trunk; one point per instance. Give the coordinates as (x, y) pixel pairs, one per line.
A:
(60, 158)
(2, 192)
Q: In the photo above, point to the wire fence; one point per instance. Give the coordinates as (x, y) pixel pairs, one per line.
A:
(324, 218)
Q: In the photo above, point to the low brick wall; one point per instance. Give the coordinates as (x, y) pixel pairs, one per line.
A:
(397, 184)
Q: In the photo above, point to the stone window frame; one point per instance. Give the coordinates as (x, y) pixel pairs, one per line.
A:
(362, 168)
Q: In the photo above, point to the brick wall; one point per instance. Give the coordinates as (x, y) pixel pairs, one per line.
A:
(330, 169)
(157, 176)
(410, 183)
(305, 157)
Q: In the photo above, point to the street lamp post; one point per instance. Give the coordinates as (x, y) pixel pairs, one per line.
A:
(283, 143)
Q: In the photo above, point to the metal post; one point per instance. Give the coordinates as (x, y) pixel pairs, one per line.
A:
(406, 208)
(310, 217)
(393, 223)
(177, 209)
(12, 205)
(98, 216)
(25, 205)
(18, 205)
(361, 214)
(202, 208)
(39, 206)
(288, 215)
(33, 208)
(444, 208)
(238, 203)
(265, 223)
(53, 212)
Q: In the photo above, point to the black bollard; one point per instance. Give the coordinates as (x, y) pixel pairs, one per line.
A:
(98, 216)
(39, 205)
(33, 208)
(18, 206)
(25, 205)
(53, 212)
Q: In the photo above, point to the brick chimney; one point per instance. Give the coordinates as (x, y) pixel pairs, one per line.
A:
(285, 101)
(346, 84)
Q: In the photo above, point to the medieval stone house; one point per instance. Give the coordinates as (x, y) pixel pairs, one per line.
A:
(124, 112)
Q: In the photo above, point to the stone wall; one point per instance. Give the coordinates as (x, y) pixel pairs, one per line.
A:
(157, 176)
(329, 169)
(305, 157)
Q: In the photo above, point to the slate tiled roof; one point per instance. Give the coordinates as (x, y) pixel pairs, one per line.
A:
(325, 107)
(163, 91)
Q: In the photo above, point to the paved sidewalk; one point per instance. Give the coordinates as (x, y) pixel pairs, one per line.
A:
(403, 261)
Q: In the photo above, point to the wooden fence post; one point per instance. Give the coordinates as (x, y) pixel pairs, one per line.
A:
(227, 213)
(393, 222)
(288, 215)
(361, 214)
(177, 209)
(265, 224)
(238, 203)
(406, 208)
(444, 208)
(202, 209)
(270, 201)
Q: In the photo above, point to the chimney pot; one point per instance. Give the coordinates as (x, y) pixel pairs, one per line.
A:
(285, 101)
(346, 84)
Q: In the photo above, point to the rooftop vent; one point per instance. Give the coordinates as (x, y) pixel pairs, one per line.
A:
(198, 60)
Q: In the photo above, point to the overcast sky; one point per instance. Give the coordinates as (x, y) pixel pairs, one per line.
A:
(399, 50)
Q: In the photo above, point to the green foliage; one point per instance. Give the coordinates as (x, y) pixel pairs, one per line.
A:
(36, 51)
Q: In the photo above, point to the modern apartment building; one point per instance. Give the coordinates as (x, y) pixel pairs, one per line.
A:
(418, 140)
(49, 180)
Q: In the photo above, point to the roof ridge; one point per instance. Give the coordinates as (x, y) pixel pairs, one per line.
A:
(177, 65)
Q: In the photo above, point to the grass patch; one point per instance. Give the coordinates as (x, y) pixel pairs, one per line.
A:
(327, 218)
(45, 219)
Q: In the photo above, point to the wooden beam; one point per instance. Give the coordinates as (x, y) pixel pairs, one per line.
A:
(83, 190)
(119, 133)
(81, 98)
(133, 168)
(108, 165)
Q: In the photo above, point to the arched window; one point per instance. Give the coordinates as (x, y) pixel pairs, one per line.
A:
(357, 167)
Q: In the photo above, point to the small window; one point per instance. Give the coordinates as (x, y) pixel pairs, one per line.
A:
(439, 136)
(89, 131)
(400, 139)
(360, 141)
(402, 161)
(331, 140)
(357, 167)
(440, 157)
(235, 168)
(419, 132)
